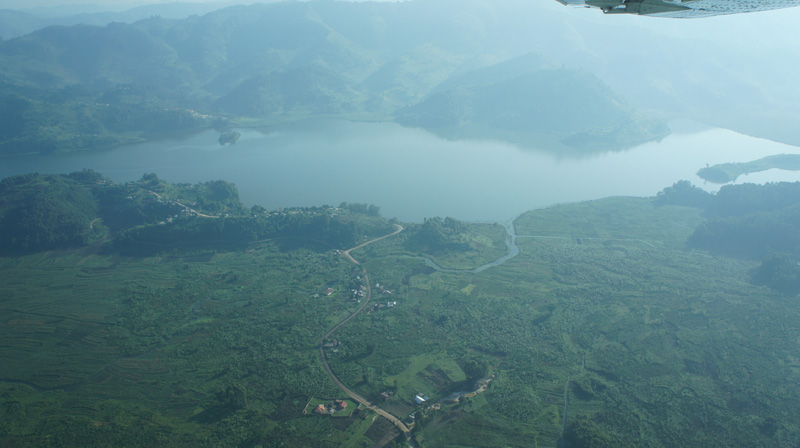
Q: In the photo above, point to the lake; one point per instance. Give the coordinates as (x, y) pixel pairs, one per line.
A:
(412, 174)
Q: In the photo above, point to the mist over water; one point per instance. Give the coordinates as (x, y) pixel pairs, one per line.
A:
(412, 174)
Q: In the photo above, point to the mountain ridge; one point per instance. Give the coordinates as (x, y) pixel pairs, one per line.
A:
(237, 64)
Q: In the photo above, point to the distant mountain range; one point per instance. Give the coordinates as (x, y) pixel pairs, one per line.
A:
(461, 69)
(19, 22)
(567, 110)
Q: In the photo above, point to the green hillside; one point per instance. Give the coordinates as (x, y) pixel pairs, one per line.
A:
(213, 333)
(48, 212)
(574, 108)
(86, 87)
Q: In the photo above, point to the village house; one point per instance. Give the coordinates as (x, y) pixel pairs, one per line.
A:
(331, 407)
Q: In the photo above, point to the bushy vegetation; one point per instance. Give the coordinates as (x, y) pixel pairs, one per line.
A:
(603, 315)
(746, 199)
(437, 235)
(40, 212)
(685, 194)
(43, 212)
(75, 119)
(759, 222)
(751, 235)
(583, 433)
(781, 272)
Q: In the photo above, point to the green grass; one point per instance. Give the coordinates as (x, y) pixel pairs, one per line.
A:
(412, 380)
(484, 242)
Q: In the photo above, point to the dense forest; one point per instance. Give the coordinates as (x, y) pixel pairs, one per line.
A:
(74, 118)
(437, 235)
(758, 222)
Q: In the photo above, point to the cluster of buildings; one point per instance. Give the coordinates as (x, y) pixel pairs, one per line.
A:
(331, 344)
(391, 304)
(195, 113)
(411, 420)
(387, 394)
(331, 407)
(326, 292)
(382, 289)
(306, 211)
(358, 293)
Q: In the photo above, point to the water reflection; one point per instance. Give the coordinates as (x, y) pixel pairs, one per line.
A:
(411, 173)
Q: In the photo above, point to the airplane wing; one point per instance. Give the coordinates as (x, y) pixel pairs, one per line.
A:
(686, 9)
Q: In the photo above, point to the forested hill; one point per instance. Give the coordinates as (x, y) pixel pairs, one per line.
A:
(574, 108)
(759, 222)
(45, 212)
(77, 87)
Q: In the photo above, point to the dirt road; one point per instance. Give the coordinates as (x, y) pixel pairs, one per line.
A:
(396, 421)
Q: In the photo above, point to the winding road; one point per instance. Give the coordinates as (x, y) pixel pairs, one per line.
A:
(396, 421)
(511, 244)
(185, 207)
(513, 250)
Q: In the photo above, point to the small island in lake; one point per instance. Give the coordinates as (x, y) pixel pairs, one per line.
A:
(723, 173)
(229, 138)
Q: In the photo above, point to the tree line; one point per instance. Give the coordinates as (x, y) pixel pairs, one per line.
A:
(758, 222)
(43, 212)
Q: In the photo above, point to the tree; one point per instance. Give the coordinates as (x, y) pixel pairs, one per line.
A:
(475, 369)
(584, 433)
(52, 215)
(684, 193)
(88, 176)
(234, 397)
(780, 272)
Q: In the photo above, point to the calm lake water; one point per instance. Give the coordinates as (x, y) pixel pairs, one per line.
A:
(412, 174)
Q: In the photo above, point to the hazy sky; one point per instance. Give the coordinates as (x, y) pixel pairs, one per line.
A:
(119, 4)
